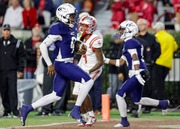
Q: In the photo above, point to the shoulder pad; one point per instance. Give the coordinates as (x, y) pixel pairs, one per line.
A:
(58, 29)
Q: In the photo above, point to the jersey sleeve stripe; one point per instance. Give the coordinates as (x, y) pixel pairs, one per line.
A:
(95, 74)
(93, 40)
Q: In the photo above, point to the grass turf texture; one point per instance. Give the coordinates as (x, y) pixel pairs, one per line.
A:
(33, 120)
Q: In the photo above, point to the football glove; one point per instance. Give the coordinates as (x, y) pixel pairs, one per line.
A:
(139, 77)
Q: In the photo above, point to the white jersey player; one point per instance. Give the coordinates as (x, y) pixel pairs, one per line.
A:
(91, 62)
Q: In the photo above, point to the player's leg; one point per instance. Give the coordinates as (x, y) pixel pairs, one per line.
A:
(128, 86)
(146, 101)
(88, 102)
(88, 106)
(58, 89)
(79, 76)
(83, 110)
(75, 73)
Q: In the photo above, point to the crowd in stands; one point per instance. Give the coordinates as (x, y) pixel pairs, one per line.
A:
(27, 13)
(146, 9)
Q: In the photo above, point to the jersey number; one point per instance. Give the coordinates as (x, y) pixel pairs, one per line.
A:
(73, 39)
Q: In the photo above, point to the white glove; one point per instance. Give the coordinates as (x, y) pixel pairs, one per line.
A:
(106, 60)
(139, 78)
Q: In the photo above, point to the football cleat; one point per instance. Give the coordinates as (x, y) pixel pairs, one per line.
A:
(75, 113)
(81, 125)
(163, 104)
(24, 111)
(122, 124)
(91, 121)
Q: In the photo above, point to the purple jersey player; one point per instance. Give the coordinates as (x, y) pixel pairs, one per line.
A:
(138, 74)
(63, 35)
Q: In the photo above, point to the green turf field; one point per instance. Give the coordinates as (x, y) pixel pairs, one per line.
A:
(40, 120)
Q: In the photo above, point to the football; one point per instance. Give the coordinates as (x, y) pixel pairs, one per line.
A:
(80, 47)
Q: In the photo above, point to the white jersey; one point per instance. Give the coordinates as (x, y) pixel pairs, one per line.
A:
(89, 59)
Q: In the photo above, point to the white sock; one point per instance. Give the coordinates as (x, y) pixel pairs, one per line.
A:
(85, 88)
(91, 113)
(148, 101)
(139, 108)
(122, 106)
(45, 100)
(86, 116)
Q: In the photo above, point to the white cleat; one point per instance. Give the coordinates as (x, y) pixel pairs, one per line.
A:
(81, 125)
(91, 121)
(118, 125)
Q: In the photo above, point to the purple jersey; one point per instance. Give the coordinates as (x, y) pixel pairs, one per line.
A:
(65, 47)
(133, 44)
(64, 50)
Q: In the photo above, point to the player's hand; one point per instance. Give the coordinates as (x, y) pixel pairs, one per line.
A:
(51, 70)
(139, 78)
(82, 50)
(19, 75)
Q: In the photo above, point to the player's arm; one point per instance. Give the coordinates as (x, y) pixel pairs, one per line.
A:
(135, 59)
(116, 62)
(99, 55)
(50, 39)
(136, 63)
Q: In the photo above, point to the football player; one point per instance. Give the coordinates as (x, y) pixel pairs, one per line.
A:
(91, 62)
(138, 74)
(63, 35)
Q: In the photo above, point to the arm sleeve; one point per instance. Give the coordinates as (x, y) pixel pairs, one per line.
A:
(50, 39)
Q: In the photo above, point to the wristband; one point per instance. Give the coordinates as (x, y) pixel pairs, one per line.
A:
(117, 63)
(107, 60)
(136, 62)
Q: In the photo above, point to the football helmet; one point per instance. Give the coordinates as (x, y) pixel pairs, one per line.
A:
(64, 12)
(91, 25)
(130, 29)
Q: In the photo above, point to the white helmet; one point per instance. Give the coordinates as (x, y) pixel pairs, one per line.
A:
(91, 22)
(63, 13)
(130, 29)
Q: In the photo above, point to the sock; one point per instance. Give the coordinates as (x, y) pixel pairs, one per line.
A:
(45, 100)
(122, 106)
(91, 113)
(148, 101)
(139, 108)
(30, 108)
(85, 88)
(86, 116)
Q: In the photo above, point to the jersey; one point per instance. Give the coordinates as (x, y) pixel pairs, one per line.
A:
(133, 46)
(64, 49)
(89, 59)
